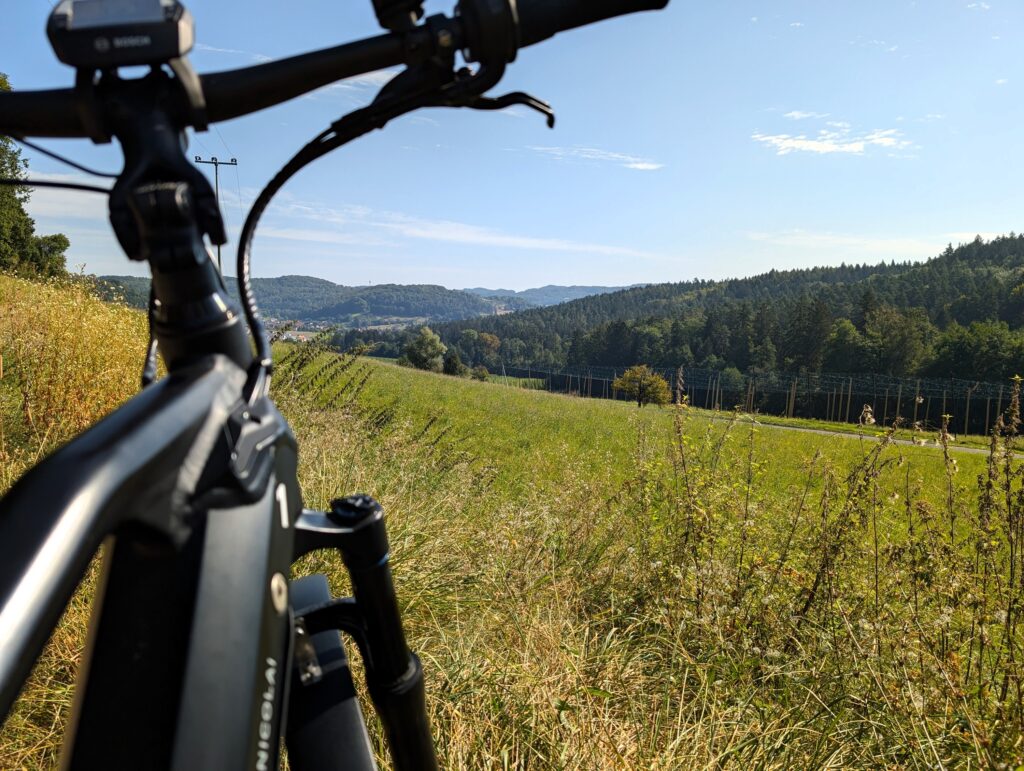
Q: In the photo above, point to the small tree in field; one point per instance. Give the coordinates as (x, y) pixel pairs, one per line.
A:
(426, 351)
(644, 385)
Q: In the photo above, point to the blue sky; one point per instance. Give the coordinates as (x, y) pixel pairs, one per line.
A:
(714, 139)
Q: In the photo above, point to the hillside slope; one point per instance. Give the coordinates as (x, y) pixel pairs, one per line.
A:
(304, 298)
(780, 320)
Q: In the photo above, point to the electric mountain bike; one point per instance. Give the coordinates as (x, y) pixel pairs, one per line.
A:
(202, 652)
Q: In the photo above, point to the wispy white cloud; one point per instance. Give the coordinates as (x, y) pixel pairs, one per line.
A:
(979, 6)
(1002, 81)
(355, 89)
(233, 51)
(83, 217)
(474, 235)
(376, 79)
(796, 24)
(839, 139)
(875, 43)
(593, 155)
(58, 203)
(367, 226)
(803, 115)
(318, 236)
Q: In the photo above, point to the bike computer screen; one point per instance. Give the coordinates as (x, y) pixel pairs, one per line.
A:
(111, 13)
(102, 34)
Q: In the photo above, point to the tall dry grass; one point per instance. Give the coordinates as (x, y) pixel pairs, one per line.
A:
(68, 360)
(691, 616)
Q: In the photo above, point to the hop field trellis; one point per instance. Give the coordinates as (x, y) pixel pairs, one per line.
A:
(838, 397)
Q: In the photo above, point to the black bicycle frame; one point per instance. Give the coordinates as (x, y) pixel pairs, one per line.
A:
(192, 485)
(189, 605)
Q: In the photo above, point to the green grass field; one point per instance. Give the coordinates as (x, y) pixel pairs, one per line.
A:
(592, 585)
(532, 433)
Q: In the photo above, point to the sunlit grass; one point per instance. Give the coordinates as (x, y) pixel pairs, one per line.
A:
(592, 585)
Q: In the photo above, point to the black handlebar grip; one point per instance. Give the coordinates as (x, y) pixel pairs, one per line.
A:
(541, 19)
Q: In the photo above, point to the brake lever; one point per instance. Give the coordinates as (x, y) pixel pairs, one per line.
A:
(515, 98)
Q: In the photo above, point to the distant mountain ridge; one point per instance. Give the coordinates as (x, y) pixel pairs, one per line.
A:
(552, 294)
(321, 302)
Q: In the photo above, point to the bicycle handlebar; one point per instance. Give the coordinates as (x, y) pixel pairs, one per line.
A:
(229, 94)
(543, 19)
(40, 114)
(234, 93)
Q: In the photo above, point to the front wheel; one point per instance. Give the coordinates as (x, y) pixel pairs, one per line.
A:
(326, 730)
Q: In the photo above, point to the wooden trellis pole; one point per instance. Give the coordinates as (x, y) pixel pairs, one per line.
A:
(967, 412)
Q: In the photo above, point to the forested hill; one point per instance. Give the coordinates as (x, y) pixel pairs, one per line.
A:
(312, 299)
(899, 318)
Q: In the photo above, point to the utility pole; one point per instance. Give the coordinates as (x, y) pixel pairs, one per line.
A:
(216, 182)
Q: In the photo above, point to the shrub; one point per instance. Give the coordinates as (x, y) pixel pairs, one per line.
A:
(453, 365)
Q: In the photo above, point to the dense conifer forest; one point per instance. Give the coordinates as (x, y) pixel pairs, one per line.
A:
(960, 314)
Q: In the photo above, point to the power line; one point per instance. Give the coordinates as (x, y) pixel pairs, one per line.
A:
(216, 181)
(238, 181)
(195, 135)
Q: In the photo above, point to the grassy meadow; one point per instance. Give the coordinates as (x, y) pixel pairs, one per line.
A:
(591, 585)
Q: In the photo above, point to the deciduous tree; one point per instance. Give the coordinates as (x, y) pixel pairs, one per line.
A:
(644, 385)
(426, 351)
(21, 250)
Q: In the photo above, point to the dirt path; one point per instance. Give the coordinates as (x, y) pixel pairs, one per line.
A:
(867, 438)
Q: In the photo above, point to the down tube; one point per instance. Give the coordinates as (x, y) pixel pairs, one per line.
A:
(126, 467)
